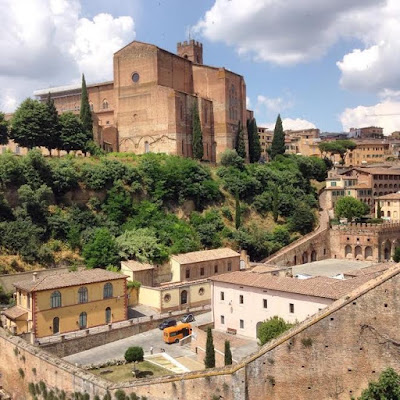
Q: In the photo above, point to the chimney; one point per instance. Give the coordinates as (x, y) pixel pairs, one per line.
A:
(34, 276)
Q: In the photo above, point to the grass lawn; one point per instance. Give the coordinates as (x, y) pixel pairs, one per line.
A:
(122, 373)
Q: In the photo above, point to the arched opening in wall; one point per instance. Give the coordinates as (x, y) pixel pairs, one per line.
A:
(56, 325)
(108, 315)
(295, 260)
(258, 328)
(305, 257)
(146, 147)
(368, 253)
(348, 253)
(184, 297)
(358, 253)
(388, 214)
(82, 320)
(313, 256)
(105, 104)
(387, 250)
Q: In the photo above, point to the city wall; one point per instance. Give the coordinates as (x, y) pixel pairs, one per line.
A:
(332, 355)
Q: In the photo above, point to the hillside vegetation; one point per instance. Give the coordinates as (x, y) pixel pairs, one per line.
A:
(149, 207)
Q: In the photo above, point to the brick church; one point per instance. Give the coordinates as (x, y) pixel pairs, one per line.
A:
(148, 107)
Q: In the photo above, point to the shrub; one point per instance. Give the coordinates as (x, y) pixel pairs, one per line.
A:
(21, 373)
(134, 353)
(272, 328)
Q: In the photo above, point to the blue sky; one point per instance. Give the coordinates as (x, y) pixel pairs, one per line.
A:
(288, 51)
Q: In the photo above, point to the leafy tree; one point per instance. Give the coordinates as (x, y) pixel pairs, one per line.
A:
(101, 251)
(3, 129)
(141, 245)
(275, 204)
(73, 135)
(256, 241)
(209, 360)
(396, 255)
(64, 175)
(118, 203)
(51, 139)
(303, 219)
(254, 141)
(341, 147)
(386, 388)
(86, 114)
(209, 227)
(28, 124)
(6, 213)
(272, 328)
(230, 158)
(278, 141)
(228, 353)
(237, 212)
(240, 144)
(198, 150)
(134, 354)
(350, 208)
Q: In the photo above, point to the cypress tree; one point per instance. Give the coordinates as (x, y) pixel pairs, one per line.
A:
(198, 150)
(240, 145)
(228, 353)
(254, 141)
(379, 210)
(237, 211)
(278, 141)
(85, 113)
(209, 361)
(53, 129)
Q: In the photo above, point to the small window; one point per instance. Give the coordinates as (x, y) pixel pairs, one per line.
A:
(229, 266)
(167, 298)
(241, 299)
(202, 271)
(201, 291)
(135, 77)
(222, 296)
(187, 274)
(82, 295)
(55, 299)
(241, 324)
(105, 104)
(28, 301)
(222, 320)
(82, 320)
(215, 269)
(108, 290)
(291, 308)
(265, 303)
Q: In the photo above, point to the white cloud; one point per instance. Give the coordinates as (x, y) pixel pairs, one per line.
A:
(274, 105)
(291, 123)
(46, 43)
(248, 102)
(286, 31)
(385, 114)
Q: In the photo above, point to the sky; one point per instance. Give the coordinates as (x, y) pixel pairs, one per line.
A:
(326, 64)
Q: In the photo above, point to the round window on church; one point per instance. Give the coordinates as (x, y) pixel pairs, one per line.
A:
(135, 77)
(201, 291)
(167, 298)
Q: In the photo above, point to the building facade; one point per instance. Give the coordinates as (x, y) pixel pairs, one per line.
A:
(389, 207)
(148, 107)
(67, 302)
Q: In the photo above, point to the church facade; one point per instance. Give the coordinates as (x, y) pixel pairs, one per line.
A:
(148, 107)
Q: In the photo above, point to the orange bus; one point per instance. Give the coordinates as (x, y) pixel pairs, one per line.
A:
(172, 334)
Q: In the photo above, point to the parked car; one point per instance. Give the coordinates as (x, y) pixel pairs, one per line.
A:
(187, 318)
(167, 323)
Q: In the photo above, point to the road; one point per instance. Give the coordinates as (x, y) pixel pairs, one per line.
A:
(152, 338)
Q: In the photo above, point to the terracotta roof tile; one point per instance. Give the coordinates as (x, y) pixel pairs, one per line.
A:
(14, 312)
(68, 279)
(319, 286)
(390, 196)
(136, 265)
(205, 255)
(379, 268)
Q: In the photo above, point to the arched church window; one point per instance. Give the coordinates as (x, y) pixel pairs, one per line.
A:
(105, 104)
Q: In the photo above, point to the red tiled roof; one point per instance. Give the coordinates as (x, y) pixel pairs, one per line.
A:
(205, 255)
(14, 312)
(136, 265)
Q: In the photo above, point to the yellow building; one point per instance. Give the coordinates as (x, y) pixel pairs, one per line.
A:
(390, 207)
(67, 302)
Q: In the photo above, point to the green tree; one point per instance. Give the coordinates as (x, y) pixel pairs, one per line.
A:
(303, 219)
(209, 360)
(118, 203)
(254, 141)
(341, 147)
(134, 354)
(51, 139)
(396, 255)
(230, 158)
(28, 124)
(278, 141)
(350, 208)
(272, 328)
(379, 210)
(72, 136)
(386, 388)
(3, 129)
(198, 150)
(240, 144)
(275, 203)
(228, 353)
(237, 212)
(86, 113)
(101, 251)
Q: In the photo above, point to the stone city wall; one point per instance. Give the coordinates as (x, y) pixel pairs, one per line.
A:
(332, 355)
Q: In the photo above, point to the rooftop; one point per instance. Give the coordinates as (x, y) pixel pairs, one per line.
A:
(205, 255)
(78, 278)
(319, 286)
(68, 88)
(14, 312)
(369, 270)
(136, 265)
(378, 171)
(390, 196)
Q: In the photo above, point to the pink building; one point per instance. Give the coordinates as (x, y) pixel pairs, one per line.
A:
(242, 300)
